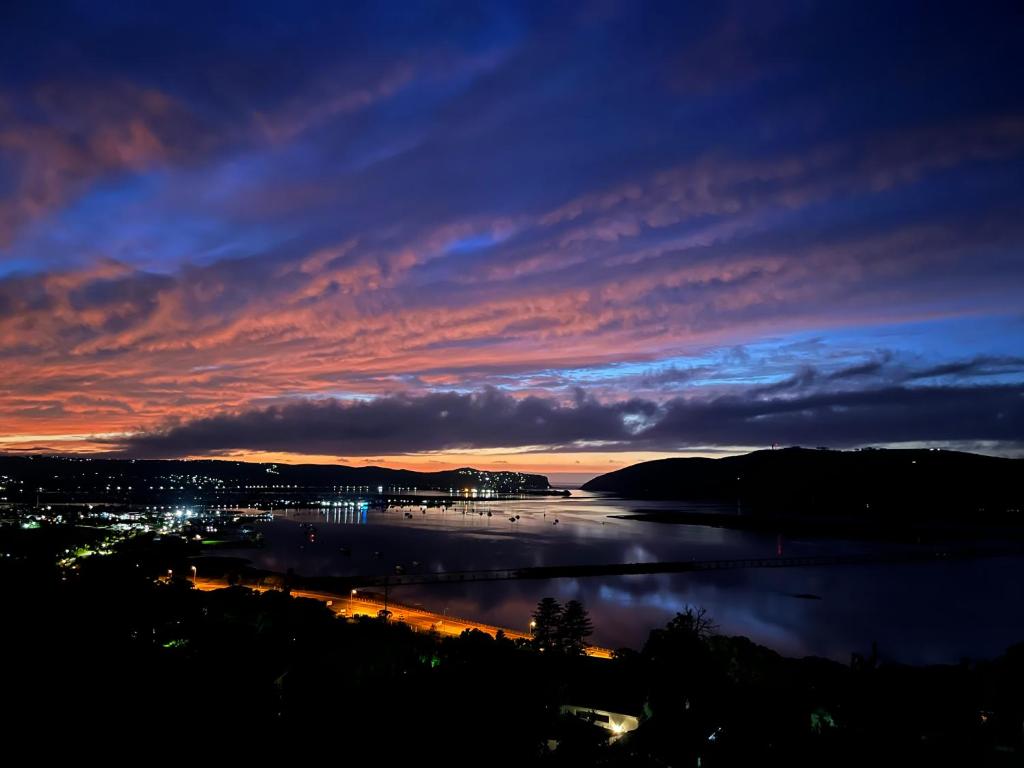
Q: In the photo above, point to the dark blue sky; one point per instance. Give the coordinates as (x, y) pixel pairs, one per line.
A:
(650, 227)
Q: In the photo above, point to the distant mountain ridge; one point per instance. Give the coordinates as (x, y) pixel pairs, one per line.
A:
(59, 472)
(938, 483)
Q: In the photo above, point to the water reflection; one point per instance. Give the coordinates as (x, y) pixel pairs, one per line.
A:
(916, 612)
(347, 513)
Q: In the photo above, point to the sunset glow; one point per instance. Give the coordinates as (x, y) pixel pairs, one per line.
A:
(671, 222)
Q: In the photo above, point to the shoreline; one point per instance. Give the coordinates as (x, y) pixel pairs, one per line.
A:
(831, 527)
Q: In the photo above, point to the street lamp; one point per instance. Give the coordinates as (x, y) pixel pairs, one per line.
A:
(194, 575)
(533, 626)
(351, 597)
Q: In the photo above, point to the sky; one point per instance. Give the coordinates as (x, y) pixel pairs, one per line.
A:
(559, 237)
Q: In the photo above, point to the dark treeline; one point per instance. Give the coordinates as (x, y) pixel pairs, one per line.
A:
(113, 653)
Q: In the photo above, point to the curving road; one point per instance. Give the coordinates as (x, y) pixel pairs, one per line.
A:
(418, 618)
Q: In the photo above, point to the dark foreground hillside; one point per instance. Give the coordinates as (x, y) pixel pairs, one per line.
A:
(114, 657)
(928, 483)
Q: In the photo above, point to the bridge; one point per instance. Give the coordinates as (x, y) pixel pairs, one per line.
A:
(683, 566)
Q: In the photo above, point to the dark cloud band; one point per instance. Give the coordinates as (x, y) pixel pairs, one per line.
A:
(492, 419)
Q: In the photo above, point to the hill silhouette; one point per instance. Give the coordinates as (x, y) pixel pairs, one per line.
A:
(65, 473)
(936, 484)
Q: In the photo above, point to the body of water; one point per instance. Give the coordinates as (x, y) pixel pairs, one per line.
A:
(915, 612)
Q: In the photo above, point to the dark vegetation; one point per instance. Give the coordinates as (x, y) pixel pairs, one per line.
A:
(867, 485)
(114, 655)
(561, 629)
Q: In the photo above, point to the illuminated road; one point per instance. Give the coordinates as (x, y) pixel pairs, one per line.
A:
(417, 618)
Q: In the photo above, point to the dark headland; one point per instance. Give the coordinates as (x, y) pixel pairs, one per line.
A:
(864, 486)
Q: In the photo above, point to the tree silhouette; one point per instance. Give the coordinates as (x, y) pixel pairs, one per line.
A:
(575, 628)
(693, 622)
(547, 622)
